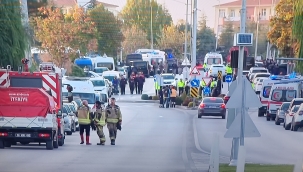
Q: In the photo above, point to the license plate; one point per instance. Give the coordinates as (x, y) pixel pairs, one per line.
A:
(212, 106)
(22, 135)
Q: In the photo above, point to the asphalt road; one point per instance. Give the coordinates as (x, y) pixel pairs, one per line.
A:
(151, 140)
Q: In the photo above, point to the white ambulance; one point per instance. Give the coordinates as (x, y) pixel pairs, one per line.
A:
(264, 95)
(282, 92)
(213, 58)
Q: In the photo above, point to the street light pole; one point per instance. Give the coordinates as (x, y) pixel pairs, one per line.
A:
(194, 46)
(257, 34)
(186, 21)
(151, 25)
(217, 34)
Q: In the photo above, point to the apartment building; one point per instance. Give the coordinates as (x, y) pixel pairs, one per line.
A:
(257, 11)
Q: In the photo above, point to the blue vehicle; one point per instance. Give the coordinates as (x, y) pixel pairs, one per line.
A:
(84, 62)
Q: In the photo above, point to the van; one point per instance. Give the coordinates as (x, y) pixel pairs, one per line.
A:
(82, 87)
(280, 93)
(213, 59)
(104, 61)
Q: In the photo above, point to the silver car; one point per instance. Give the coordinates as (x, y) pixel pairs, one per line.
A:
(281, 111)
(212, 106)
(75, 123)
(67, 120)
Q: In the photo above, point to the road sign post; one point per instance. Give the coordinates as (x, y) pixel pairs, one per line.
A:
(194, 92)
(220, 77)
(228, 79)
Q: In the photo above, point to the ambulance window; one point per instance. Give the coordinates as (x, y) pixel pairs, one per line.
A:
(283, 95)
(290, 95)
(266, 91)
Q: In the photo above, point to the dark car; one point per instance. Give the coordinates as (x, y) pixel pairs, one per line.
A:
(212, 106)
(280, 116)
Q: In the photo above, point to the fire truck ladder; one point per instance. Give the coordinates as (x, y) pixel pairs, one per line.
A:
(6, 78)
(47, 67)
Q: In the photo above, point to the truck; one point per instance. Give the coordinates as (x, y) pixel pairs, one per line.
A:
(28, 115)
(49, 79)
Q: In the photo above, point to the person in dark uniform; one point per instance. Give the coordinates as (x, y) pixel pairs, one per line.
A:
(123, 83)
(141, 80)
(132, 83)
(219, 86)
(136, 83)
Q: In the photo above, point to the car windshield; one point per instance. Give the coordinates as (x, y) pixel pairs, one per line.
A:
(266, 91)
(285, 106)
(110, 78)
(98, 83)
(283, 95)
(211, 61)
(100, 70)
(64, 109)
(72, 108)
(262, 75)
(212, 100)
(295, 109)
(90, 97)
(67, 108)
(104, 97)
(168, 77)
(260, 71)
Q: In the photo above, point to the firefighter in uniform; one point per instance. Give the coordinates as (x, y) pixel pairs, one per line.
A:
(84, 119)
(113, 119)
(99, 120)
(202, 85)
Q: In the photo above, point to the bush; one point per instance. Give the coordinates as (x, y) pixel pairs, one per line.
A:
(186, 101)
(150, 97)
(179, 101)
(144, 97)
(183, 96)
(190, 104)
(77, 71)
(155, 98)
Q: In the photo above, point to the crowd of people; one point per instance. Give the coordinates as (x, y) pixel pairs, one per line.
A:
(135, 81)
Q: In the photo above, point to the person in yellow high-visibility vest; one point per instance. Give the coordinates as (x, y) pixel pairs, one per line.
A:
(229, 70)
(157, 87)
(181, 85)
(202, 85)
(253, 85)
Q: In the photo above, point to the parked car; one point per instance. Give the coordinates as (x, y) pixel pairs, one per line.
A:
(281, 111)
(297, 119)
(289, 117)
(75, 123)
(67, 120)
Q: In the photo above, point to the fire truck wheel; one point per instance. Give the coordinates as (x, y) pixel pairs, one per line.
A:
(56, 143)
(8, 144)
(50, 145)
(61, 141)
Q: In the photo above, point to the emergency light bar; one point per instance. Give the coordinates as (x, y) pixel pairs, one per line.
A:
(289, 81)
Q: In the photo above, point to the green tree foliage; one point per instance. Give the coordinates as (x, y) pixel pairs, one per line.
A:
(138, 12)
(226, 39)
(206, 39)
(108, 27)
(12, 37)
(181, 26)
(298, 31)
(134, 39)
(77, 71)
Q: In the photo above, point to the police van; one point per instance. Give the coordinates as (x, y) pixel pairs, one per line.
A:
(282, 92)
(82, 87)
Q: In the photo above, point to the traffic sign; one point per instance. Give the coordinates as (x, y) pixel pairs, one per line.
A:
(194, 71)
(228, 78)
(194, 92)
(219, 75)
(206, 90)
(194, 83)
(207, 80)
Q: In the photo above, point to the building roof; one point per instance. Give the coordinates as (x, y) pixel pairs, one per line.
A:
(65, 3)
(238, 3)
(108, 5)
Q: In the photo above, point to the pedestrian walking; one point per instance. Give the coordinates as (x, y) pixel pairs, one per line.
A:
(99, 121)
(84, 120)
(113, 119)
(123, 83)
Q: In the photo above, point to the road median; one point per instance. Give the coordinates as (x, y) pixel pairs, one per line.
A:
(258, 168)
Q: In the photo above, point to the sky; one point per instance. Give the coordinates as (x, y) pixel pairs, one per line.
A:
(177, 8)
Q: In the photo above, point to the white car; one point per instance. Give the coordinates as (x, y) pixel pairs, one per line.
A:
(66, 113)
(289, 117)
(100, 70)
(75, 122)
(122, 71)
(99, 84)
(257, 70)
(110, 75)
(168, 79)
(214, 69)
(259, 75)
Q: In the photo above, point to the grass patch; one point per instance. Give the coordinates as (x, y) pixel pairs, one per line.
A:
(258, 168)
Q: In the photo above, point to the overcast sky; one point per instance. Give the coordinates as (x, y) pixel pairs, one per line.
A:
(177, 8)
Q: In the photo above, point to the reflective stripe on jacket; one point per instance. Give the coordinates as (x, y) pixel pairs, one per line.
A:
(83, 115)
(100, 117)
(114, 116)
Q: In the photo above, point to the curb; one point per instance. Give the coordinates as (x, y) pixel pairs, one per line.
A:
(187, 108)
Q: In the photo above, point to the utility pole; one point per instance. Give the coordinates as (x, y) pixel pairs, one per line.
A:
(186, 21)
(25, 22)
(151, 26)
(191, 29)
(257, 34)
(194, 46)
(217, 34)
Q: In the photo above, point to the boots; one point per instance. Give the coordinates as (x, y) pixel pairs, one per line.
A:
(87, 140)
(82, 139)
(112, 142)
(101, 143)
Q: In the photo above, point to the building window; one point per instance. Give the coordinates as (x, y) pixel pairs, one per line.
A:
(221, 13)
(232, 13)
(263, 13)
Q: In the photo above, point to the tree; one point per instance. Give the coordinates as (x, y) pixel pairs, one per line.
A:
(172, 39)
(226, 39)
(34, 5)
(108, 27)
(181, 26)
(63, 35)
(138, 12)
(280, 32)
(298, 32)
(134, 39)
(12, 38)
(206, 38)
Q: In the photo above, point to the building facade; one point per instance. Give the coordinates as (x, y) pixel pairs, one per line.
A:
(256, 11)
